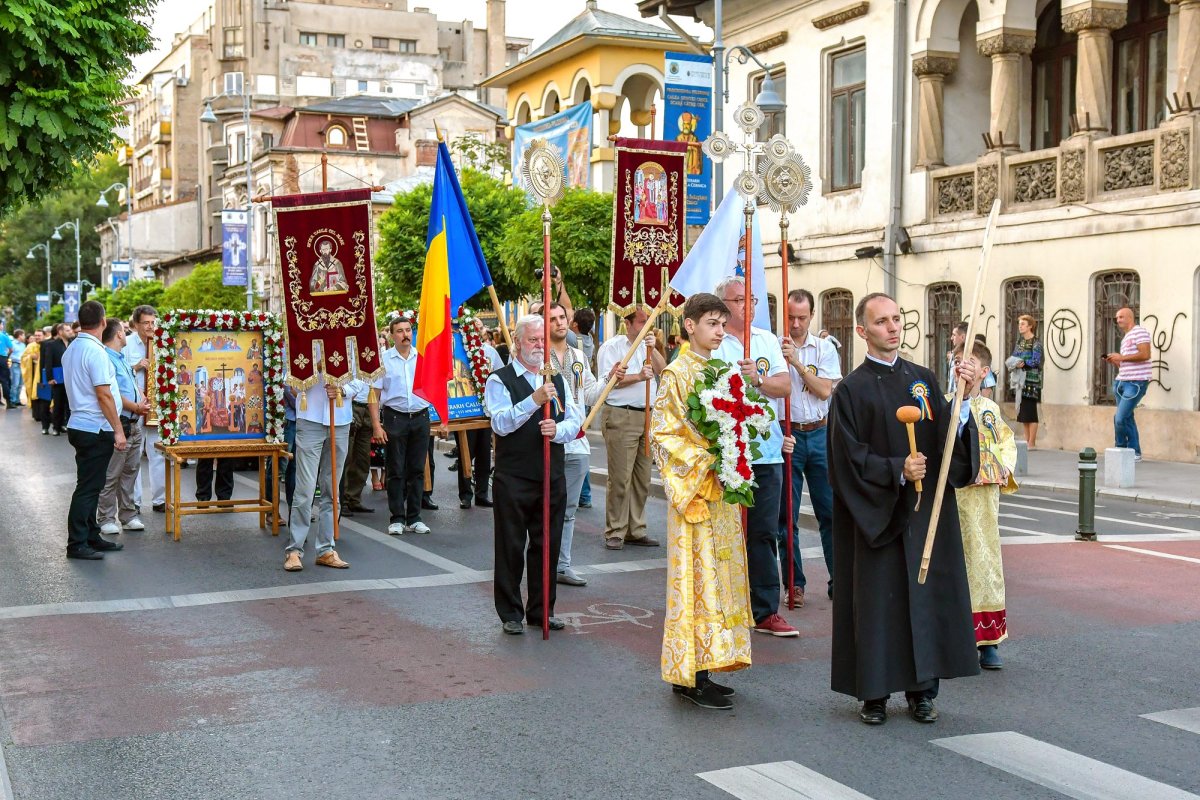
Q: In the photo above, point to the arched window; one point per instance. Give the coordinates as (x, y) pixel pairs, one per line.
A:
(945, 311)
(1114, 291)
(335, 136)
(1053, 79)
(837, 317)
(1021, 296)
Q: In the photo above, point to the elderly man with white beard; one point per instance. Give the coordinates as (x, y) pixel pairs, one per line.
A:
(514, 397)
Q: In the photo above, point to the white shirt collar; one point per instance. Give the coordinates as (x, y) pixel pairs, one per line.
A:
(891, 363)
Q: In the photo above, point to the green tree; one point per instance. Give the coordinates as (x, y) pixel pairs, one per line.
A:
(580, 246)
(21, 278)
(61, 73)
(202, 289)
(474, 153)
(120, 304)
(400, 262)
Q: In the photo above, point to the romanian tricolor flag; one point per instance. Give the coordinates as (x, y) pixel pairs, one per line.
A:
(454, 272)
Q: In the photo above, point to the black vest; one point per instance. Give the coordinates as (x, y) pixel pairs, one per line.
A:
(520, 453)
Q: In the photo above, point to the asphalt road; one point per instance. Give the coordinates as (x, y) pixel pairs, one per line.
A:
(200, 669)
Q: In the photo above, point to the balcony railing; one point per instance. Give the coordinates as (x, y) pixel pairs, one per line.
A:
(1158, 161)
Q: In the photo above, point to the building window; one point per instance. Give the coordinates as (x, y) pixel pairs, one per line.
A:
(234, 43)
(1114, 291)
(268, 141)
(239, 148)
(233, 83)
(419, 89)
(381, 42)
(407, 45)
(335, 136)
(847, 118)
(944, 312)
(1021, 296)
(1140, 67)
(335, 40)
(775, 123)
(837, 317)
(362, 86)
(1053, 81)
(308, 39)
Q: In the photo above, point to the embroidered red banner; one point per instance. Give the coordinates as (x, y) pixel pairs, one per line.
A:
(649, 203)
(325, 258)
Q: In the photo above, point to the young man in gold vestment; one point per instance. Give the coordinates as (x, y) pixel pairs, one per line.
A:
(979, 514)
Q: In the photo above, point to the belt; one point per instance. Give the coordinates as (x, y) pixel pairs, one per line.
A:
(805, 427)
(361, 405)
(409, 414)
(639, 409)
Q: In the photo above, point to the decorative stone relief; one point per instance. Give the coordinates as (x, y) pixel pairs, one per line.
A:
(1174, 159)
(988, 176)
(1093, 18)
(1037, 180)
(955, 194)
(934, 65)
(1128, 167)
(1006, 42)
(1071, 188)
(841, 16)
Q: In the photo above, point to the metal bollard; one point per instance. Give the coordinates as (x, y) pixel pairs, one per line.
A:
(1086, 531)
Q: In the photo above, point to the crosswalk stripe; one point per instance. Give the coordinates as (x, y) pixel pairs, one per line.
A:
(1069, 773)
(779, 780)
(1105, 519)
(1160, 554)
(1186, 719)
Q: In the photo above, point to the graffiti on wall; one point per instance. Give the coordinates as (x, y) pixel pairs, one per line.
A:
(910, 332)
(1160, 343)
(1064, 339)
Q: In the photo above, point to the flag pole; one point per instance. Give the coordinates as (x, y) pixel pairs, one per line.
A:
(333, 481)
(787, 412)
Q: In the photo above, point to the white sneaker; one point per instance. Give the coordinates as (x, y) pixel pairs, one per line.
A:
(111, 528)
(1137, 459)
(134, 524)
(419, 527)
(397, 529)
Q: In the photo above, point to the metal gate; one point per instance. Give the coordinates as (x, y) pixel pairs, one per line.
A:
(1021, 296)
(945, 311)
(837, 317)
(1114, 291)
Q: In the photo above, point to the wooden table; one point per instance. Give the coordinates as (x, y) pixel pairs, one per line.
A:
(175, 455)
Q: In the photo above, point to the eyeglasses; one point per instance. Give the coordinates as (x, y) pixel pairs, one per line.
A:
(742, 301)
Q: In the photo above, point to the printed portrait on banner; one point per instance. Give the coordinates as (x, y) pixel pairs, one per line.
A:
(220, 391)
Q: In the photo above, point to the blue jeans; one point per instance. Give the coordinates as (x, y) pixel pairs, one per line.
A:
(585, 494)
(809, 461)
(1129, 394)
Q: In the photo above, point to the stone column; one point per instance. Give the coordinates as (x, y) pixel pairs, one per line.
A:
(931, 70)
(1187, 51)
(1093, 21)
(1007, 48)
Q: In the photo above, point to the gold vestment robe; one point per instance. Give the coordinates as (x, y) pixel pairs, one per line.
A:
(29, 370)
(707, 621)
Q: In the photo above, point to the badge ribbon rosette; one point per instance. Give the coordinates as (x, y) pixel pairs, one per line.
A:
(732, 416)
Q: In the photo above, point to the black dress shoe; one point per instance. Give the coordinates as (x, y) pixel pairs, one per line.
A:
(85, 554)
(556, 624)
(359, 508)
(513, 628)
(483, 502)
(104, 546)
(428, 504)
(874, 712)
(346, 512)
(706, 696)
(160, 508)
(453, 467)
(725, 691)
(464, 503)
(921, 709)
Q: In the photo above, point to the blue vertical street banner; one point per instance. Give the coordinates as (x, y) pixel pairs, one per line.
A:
(43, 304)
(687, 117)
(119, 275)
(70, 302)
(570, 132)
(235, 249)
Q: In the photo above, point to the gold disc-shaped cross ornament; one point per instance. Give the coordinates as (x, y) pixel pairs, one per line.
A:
(784, 182)
(544, 171)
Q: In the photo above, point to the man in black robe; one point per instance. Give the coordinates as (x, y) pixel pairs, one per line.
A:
(889, 632)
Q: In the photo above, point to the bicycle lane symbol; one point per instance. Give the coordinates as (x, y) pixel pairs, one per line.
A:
(606, 614)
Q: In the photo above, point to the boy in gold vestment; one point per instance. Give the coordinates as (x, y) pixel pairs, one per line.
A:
(707, 622)
(979, 516)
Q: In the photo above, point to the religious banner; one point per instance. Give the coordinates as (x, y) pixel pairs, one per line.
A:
(570, 133)
(687, 117)
(119, 275)
(218, 376)
(43, 304)
(649, 202)
(70, 302)
(325, 256)
(235, 250)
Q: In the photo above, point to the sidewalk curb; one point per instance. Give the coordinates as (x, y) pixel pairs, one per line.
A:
(1128, 495)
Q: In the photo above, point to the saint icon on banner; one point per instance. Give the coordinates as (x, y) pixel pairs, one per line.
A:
(328, 276)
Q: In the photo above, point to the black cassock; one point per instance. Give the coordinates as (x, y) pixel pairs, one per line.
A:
(891, 634)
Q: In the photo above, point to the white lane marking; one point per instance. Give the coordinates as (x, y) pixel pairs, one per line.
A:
(779, 780)
(1186, 719)
(1026, 531)
(1064, 538)
(1108, 519)
(1060, 770)
(1005, 502)
(1017, 516)
(1171, 556)
(6, 790)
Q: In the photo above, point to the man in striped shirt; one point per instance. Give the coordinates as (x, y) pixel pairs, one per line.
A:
(1133, 378)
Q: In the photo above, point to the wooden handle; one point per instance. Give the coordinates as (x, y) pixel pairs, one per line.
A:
(612, 382)
(912, 448)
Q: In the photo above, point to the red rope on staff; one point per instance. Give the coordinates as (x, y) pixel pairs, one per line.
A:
(546, 414)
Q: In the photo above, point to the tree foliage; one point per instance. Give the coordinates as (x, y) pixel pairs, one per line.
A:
(202, 289)
(61, 72)
(400, 262)
(474, 153)
(580, 246)
(120, 304)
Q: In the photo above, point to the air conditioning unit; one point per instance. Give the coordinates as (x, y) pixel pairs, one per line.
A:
(181, 81)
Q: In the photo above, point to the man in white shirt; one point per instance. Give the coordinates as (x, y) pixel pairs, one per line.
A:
(94, 430)
(137, 351)
(815, 369)
(514, 397)
(623, 422)
(767, 372)
(313, 471)
(402, 423)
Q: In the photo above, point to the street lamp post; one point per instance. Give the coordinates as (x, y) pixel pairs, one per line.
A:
(45, 247)
(58, 238)
(103, 203)
(209, 117)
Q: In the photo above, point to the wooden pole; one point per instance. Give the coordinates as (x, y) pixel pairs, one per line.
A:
(952, 428)
(333, 476)
(612, 381)
(499, 309)
(786, 322)
(547, 413)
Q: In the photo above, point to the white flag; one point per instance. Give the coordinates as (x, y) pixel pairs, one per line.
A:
(717, 255)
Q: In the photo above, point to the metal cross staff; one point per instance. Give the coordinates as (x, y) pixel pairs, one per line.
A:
(785, 187)
(544, 171)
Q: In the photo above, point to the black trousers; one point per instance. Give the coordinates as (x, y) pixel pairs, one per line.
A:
(93, 451)
(762, 526)
(59, 412)
(6, 382)
(40, 409)
(432, 468)
(407, 452)
(518, 522)
(204, 478)
(479, 442)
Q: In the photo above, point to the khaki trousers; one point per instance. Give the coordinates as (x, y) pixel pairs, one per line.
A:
(628, 473)
(116, 498)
